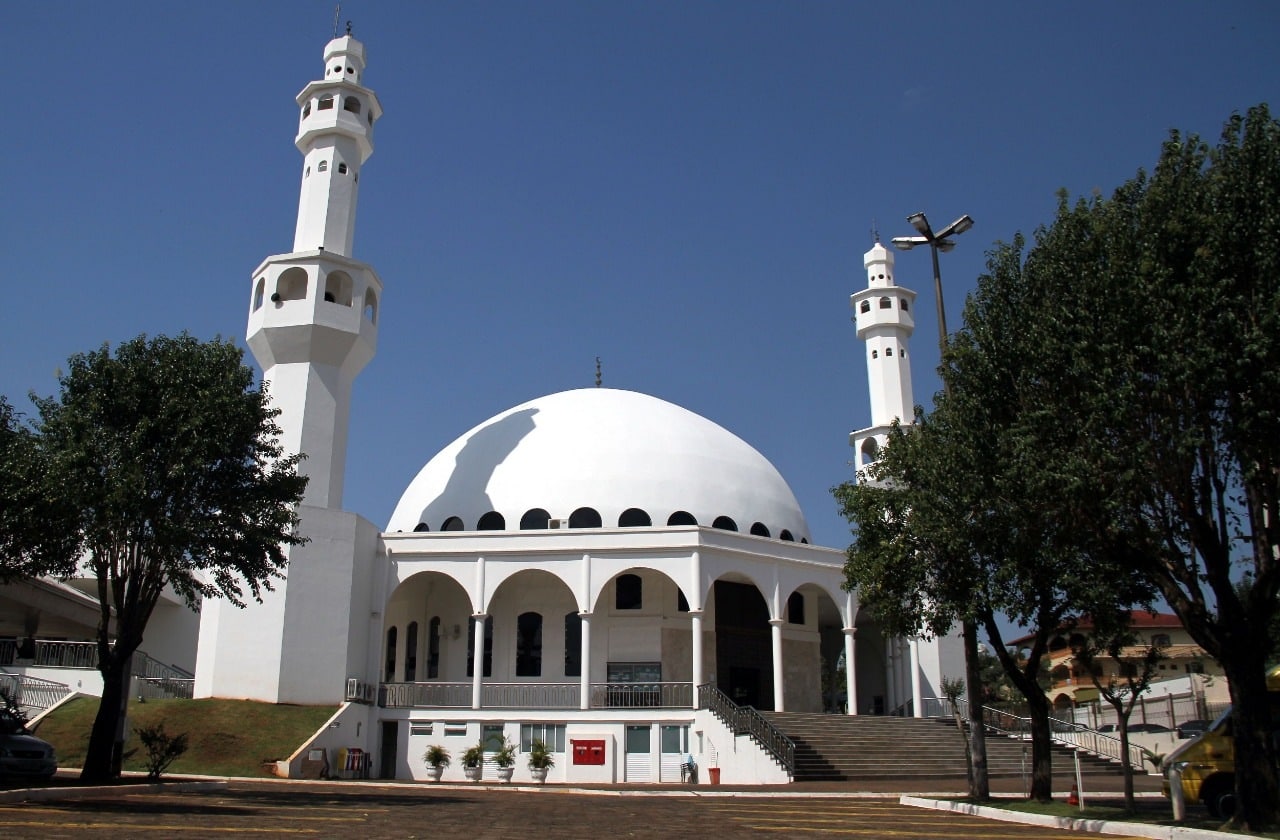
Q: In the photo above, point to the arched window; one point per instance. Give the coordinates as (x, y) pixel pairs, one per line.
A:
(584, 517)
(337, 288)
(628, 592)
(492, 521)
(322, 166)
(786, 535)
(259, 293)
(534, 520)
(351, 104)
(758, 529)
(888, 351)
(795, 608)
(421, 526)
(903, 304)
(870, 451)
(342, 168)
(411, 652)
(433, 649)
(865, 306)
(634, 518)
(1161, 640)
(453, 523)
(371, 306)
(488, 646)
(681, 517)
(325, 104)
(529, 645)
(572, 644)
(389, 672)
(724, 523)
(804, 540)
(886, 303)
(875, 354)
(306, 110)
(291, 285)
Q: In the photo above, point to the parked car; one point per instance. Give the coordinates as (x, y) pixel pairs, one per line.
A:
(1192, 728)
(23, 755)
(1111, 728)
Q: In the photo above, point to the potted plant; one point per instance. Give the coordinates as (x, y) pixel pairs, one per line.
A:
(505, 758)
(473, 762)
(541, 760)
(437, 758)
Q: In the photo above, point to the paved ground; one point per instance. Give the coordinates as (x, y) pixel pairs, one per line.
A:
(406, 811)
(375, 813)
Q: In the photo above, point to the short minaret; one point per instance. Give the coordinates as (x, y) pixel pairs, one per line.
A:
(314, 312)
(313, 325)
(882, 313)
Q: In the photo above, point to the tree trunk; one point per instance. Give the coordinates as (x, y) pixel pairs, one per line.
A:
(1041, 744)
(1126, 766)
(979, 783)
(105, 757)
(1257, 791)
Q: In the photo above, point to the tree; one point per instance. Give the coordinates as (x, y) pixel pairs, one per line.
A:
(32, 541)
(1135, 668)
(167, 453)
(1115, 387)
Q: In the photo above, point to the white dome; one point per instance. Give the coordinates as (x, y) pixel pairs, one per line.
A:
(605, 450)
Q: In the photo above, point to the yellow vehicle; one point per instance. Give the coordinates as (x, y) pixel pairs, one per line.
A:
(1208, 762)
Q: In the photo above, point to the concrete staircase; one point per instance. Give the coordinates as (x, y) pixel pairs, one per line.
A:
(843, 748)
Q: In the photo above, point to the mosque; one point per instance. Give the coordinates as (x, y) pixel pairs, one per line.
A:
(599, 569)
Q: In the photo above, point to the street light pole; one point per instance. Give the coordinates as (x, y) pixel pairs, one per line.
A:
(979, 784)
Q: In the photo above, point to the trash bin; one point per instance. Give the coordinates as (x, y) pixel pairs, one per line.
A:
(713, 775)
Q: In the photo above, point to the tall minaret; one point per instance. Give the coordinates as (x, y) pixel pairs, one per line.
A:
(882, 313)
(313, 316)
(314, 312)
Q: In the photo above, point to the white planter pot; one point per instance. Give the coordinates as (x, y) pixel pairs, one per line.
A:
(473, 773)
(434, 773)
(539, 774)
(505, 773)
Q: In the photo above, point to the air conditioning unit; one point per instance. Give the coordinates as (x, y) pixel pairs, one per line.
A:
(555, 524)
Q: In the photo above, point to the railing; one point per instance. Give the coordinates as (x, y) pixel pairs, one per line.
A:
(744, 720)
(50, 654)
(32, 694)
(1061, 731)
(165, 688)
(665, 695)
(145, 667)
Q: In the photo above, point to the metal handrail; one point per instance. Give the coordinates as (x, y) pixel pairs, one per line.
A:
(744, 720)
(33, 694)
(1065, 732)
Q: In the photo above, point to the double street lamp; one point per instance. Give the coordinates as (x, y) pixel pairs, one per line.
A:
(941, 241)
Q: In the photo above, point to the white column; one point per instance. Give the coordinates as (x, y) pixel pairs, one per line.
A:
(850, 671)
(584, 657)
(891, 676)
(917, 699)
(477, 661)
(695, 619)
(775, 627)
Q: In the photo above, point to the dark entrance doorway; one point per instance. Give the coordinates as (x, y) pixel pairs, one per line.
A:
(387, 754)
(744, 651)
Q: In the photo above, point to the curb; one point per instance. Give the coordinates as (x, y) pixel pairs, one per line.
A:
(9, 797)
(1157, 832)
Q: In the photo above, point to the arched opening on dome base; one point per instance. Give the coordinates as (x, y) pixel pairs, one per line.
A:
(585, 517)
(439, 608)
(492, 521)
(813, 652)
(634, 518)
(421, 526)
(681, 517)
(758, 529)
(529, 639)
(786, 536)
(453, 523)
(534, 520)
(724, 523)
(642, 643)
(743, 648)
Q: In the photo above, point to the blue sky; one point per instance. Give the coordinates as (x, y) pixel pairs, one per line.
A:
(684, 189)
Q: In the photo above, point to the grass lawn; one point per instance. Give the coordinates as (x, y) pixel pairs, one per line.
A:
(1149, 811)
(224, 737)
